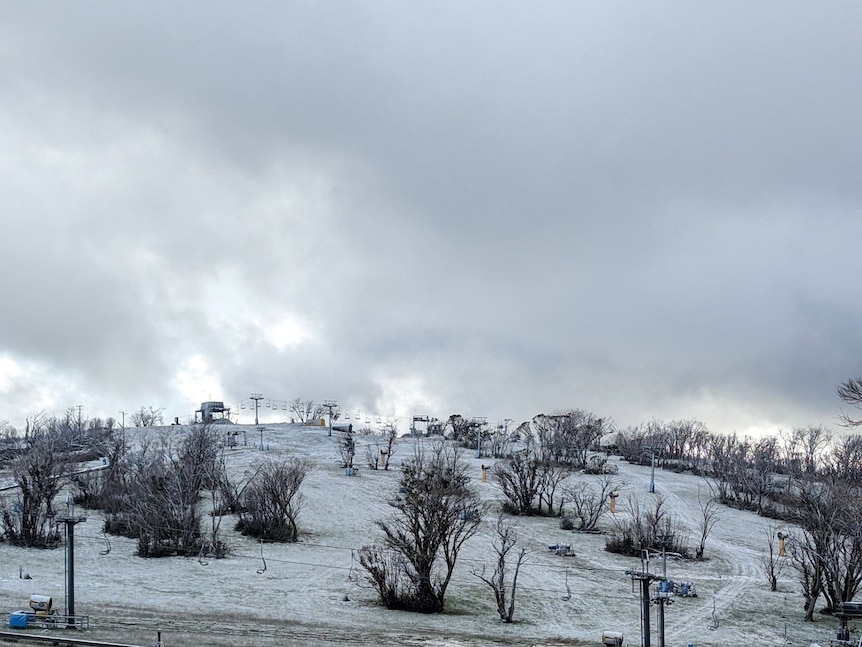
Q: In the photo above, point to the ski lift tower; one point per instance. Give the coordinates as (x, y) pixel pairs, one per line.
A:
(70, 518)
(646, 578)
(329, 405)
(653, 449)
(257, 397)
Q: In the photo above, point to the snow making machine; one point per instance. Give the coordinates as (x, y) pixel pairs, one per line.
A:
(612, 638)
(41, 610)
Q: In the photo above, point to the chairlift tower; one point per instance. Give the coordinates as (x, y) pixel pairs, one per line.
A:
(257, 397)
(478, 423)
(653, 449)
(330, 405)
(70, 518)
(661, 598)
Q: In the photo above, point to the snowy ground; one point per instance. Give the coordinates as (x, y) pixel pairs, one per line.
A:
(308, 594)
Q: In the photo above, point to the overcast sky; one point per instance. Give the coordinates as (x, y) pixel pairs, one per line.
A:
(648, 210)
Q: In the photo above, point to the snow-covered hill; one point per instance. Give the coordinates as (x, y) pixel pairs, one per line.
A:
(310, 593)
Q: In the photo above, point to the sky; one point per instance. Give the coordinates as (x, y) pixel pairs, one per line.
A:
(649, 211)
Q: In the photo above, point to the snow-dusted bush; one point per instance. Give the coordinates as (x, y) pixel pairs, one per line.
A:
(272, 500)
(435, 513)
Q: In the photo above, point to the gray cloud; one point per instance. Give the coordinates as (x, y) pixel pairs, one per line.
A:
(487, 208)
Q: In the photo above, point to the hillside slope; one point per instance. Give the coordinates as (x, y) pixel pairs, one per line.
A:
(310, 593)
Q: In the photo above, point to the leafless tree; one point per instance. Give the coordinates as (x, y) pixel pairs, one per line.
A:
(845, 460)
(588, 500)
(709, 515)
(681, 438)
(826, 550)
(379, 451)
(803, 449)
(7, 430)
(100, 490)
(390, 435)
(552, 476)
(501, 438)
(161, 503)
(641, 527)
(231, 490)
(504, 586)
(434, 514)
(306, 410)
(148, 417)
(850, 393)
(272, 500)
(346, 449)
(521, 480)
(37, 471)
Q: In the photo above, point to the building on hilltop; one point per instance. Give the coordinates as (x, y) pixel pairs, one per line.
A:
(213, 412)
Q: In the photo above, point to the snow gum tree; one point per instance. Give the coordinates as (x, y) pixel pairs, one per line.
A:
(306, 410)
(504, 579)
(37, 472)
(588, 500)
(435, 512)
(271, 501)
(826, 551)
(160, 504)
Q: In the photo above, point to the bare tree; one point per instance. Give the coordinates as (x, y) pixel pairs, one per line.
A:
(588, 500)
(521, 481)
(845, 461)
(826, 551)
(232, 491)
(850, 392)
(435, 513)
(501, 438)
(37, 472)
(100, 490)
(306, 410)
(709, 515)
(552, 476)
(642, 527)
(161, 503)
(389, 433)
(346, 449)
(147, 417)
(803, 449)
(380, 449)
(272, 500)
(504, 590)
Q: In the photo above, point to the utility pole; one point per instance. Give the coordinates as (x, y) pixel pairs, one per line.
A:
(330, 405)
(257, 397)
